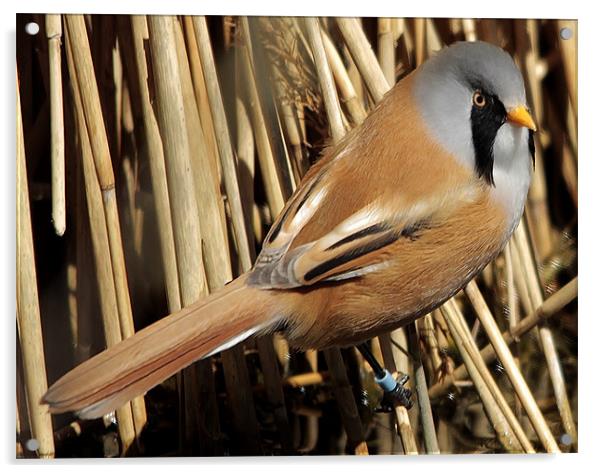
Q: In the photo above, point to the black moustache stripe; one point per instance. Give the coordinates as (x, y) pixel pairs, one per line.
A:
(485, 123)
(532, 147)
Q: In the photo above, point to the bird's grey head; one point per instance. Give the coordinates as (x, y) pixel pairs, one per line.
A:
(472, 98)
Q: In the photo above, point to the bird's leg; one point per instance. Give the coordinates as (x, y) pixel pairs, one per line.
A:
(394, 394)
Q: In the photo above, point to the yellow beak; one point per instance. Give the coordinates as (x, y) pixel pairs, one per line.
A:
(521, 116)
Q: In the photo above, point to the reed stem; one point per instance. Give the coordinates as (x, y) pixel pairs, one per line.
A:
(28, 309)
(57, 132)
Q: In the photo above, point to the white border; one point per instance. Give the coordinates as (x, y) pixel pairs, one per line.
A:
(589, 218)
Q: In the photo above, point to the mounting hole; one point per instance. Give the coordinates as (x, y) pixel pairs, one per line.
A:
(32, 445)
(566, 439)
(566, 33)
(32, 28)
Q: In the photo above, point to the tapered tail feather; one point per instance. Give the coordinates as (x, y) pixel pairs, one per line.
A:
(132, 367)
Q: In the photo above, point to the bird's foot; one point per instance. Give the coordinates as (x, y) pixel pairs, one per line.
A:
(394, 393)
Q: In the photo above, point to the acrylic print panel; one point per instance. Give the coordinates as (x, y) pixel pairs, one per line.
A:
(155, 153)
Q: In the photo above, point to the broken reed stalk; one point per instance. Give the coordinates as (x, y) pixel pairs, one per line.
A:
(28, 308)
(102, 179)
(514, 374)
(426, 414)
(545, 334)
(478, 373)
(364, 57)
(331, 101)
(551, 306)
(57, 131)
(402, 419)
(405, 431)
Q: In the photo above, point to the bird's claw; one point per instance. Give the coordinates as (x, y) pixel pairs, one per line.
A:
(398, 396)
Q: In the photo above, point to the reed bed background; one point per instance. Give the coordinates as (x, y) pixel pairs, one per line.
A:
(154, 153)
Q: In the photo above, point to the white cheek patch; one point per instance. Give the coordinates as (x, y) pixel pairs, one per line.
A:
(512, 169)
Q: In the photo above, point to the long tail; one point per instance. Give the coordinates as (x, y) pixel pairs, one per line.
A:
(130, 368)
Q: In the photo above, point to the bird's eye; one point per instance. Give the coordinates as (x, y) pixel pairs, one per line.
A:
(479, 99)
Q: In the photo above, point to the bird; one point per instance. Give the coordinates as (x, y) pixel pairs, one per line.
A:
(390, 222)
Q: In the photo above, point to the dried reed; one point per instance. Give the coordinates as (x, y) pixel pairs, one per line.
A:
(28, 310)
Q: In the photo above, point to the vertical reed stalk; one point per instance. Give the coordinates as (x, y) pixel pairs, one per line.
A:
(420, 39)
(426, 414)
(57, 132)
(28, 308)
